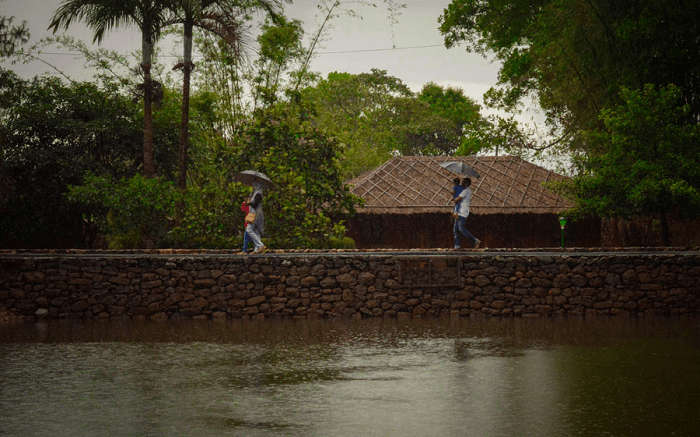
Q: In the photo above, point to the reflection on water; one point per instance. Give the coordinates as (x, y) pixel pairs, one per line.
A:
(323, 378)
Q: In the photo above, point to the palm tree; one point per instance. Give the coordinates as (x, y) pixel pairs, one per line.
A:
(104, 15)
(224, 19)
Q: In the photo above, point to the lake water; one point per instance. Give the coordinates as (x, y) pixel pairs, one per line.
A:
(352, 378)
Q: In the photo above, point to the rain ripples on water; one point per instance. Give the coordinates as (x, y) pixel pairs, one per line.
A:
(348, 378)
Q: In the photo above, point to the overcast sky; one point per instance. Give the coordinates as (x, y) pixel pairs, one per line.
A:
(353, 45)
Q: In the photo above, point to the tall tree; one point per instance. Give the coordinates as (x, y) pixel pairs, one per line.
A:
(462, 113)
(104, 15)
(357, 109)
(224, 18)
(280, 48)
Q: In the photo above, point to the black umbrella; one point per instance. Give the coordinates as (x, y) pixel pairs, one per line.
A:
(460, 168)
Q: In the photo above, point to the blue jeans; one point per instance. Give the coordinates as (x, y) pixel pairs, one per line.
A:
(246, 241)
(460, 227)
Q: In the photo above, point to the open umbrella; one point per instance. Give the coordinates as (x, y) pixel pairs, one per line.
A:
(252, 178)
(460, 168)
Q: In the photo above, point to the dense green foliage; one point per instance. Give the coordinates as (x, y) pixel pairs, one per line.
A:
(141, 212)
(375, 114)
(131, 212)
(51, 133)
(575, 55)
(648, 160)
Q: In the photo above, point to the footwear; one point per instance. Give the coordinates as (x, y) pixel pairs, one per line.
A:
(261, 249)
(476, 245)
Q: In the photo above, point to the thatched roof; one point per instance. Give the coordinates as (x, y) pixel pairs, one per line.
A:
(417, 184)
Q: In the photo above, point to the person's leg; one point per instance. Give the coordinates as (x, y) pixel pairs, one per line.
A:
(253, 235)
(455, 232)
(462, 228)
(246, 240)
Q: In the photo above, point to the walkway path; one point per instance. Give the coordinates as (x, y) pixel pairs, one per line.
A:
(179, 253)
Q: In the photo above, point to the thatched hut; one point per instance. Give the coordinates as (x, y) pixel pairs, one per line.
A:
(408, 205)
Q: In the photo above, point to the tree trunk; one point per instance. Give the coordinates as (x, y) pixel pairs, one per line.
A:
(149, 169)
(184, 122)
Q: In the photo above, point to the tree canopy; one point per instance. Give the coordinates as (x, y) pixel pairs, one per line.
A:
(648, 160)
(51, 133)
(574, 56)
(374, 115)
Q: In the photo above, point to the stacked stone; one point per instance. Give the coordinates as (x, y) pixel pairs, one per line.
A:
(349, 286)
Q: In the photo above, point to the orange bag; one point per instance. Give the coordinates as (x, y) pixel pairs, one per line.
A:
(250, 217)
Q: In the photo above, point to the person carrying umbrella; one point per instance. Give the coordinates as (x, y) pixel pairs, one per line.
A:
(254, 219)
(460, 226)
(462, 199)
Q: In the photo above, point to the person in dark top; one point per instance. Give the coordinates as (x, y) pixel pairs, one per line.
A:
(456, 190)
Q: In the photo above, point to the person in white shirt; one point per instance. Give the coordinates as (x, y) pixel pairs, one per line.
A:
(460, 226)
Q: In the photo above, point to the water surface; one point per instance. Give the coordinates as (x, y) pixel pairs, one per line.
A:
(350, 378)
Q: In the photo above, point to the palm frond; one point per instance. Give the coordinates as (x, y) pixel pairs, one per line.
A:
(98, 15)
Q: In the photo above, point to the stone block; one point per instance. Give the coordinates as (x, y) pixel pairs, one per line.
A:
(345, 279)
(327, 282)
(498, 304)
(366, 278)
(309, 281)
(255, 300)
(482, 281)
(293, 281)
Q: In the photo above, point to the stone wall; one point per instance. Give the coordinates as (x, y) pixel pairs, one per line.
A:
(447, 284)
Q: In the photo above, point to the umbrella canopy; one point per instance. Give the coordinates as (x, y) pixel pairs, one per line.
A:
(252, 178)
(460, 168)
